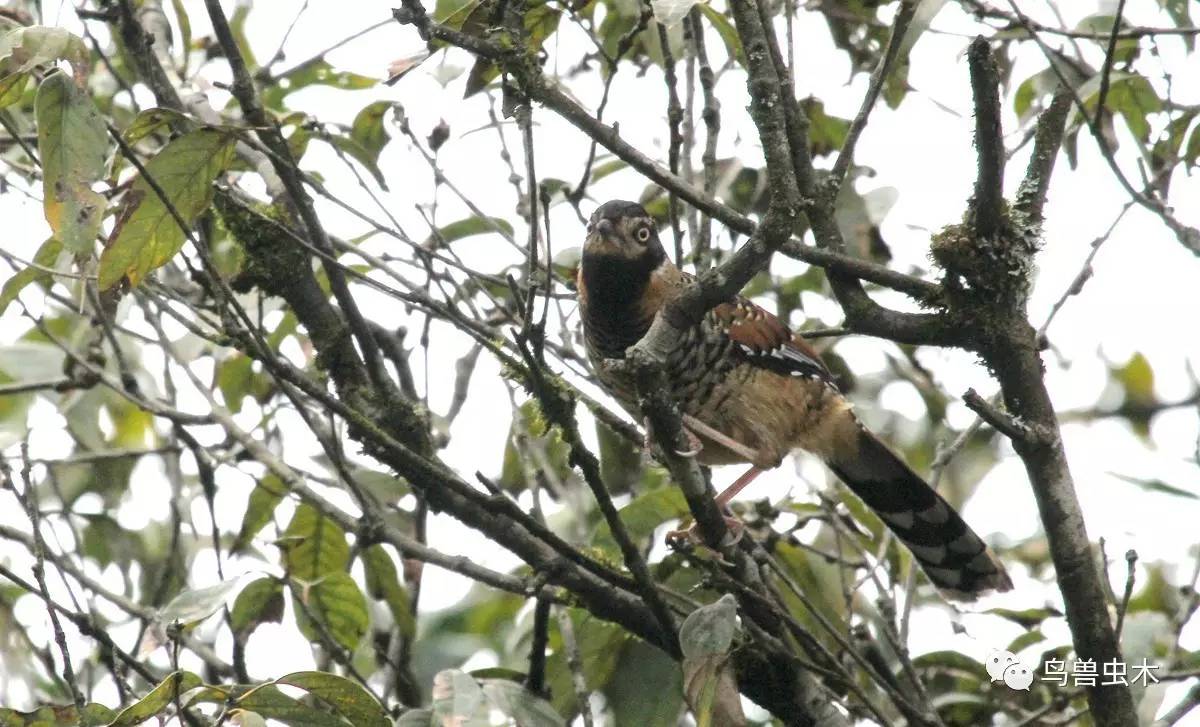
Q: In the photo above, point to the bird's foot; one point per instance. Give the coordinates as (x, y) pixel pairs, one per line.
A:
(694, 444)
(679, 539)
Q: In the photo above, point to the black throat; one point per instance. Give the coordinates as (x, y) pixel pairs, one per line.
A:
(614, 318)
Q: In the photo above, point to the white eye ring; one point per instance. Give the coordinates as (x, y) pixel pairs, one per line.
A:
(643, 234)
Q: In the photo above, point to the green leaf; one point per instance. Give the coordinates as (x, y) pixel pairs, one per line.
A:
(826, 133)
(602, 170)
(197, 605)
(73, 144)
(1032, 89)
(470, 226)
(237, 24)
(233, 379)
(447, 10)
(341, 608)
(264, 497)
(529, 423)
(271, 703)
(158, 699)
(350, 146)
(642, 515)
(185, 32)
(25, 49)
(149, 121)
(317, 73)
(12, 88)
(347, 698)
(1192, 151)
(1028, 618)
(57, 716)
(45, 257)
(383, 583)
(31, 361)
(315, 546)
(417, 718)
(601, 645)
(244, 717)
(526, 708)
(1134, 98)
(1155, 593)
(1126, 49)
(1025, 640)
(259, 602)
(1157, 486)
(1137, 379)
(711, 691)
(1182, 17)
(147, 235)
(105, 541)
(369, 130)
(646, 688)
(620, 460)
(709, 629)
(728, 33)
(54, 716)
(540, 23)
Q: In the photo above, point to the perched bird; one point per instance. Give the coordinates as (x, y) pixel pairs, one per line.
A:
(751, 391)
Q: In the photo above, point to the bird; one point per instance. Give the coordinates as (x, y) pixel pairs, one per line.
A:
(751, 391)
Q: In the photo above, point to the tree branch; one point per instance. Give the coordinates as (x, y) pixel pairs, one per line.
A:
(988, 201)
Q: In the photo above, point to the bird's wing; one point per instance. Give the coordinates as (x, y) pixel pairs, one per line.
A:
(765, 341)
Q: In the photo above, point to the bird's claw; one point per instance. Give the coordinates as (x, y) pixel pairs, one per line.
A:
(679, 539)
(695, 446)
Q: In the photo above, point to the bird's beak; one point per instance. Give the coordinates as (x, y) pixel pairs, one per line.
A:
(604, 228)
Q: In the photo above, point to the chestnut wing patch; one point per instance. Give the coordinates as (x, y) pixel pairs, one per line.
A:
(763, 340)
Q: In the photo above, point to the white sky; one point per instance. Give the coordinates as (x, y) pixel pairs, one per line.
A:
(1143, 297)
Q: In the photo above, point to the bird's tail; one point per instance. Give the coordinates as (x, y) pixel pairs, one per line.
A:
(954, 558)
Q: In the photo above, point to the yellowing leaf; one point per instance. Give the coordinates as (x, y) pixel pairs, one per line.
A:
(165, 694)
(12, 87)
(147, 235)
(73, 142)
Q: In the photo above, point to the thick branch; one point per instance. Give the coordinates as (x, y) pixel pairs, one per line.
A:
(285, 166)
(1018, 366)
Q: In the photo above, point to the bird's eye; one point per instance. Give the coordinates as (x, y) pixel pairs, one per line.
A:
(643, 234)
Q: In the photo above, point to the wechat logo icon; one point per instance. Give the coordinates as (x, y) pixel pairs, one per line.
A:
(1003, 666)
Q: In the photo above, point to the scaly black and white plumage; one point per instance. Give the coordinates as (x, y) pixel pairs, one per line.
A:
(751, 391)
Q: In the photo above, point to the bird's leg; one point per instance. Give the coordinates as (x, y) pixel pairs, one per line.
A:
(751, 455)
(738, 485)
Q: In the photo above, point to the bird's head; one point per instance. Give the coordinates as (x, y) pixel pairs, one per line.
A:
(623, 231)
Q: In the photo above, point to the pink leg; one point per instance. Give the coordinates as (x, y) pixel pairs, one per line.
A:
(738, 485)
(699, 427)
(735, 526)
